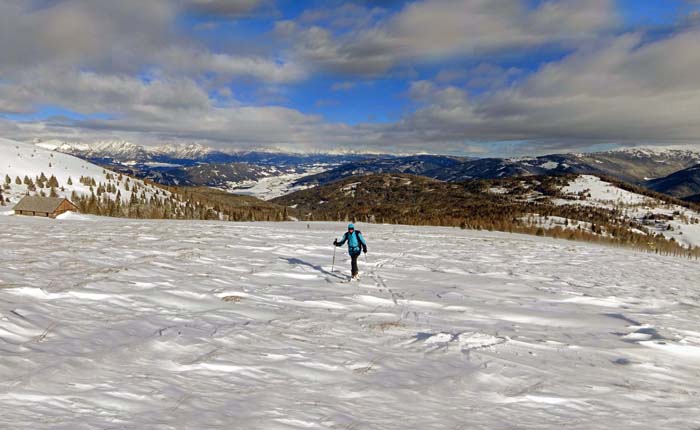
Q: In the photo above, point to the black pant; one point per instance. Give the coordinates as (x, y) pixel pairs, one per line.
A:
(355, 270)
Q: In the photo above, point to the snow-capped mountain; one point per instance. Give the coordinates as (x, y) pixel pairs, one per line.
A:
(172, 164)
(630, 165)
(117, 149)
(192, 151)
(263, 173)
(413, 165)
(121, 152)
(658, 152)
(129, 153)
(61, 145)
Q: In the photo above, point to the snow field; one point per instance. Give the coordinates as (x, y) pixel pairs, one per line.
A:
(603, 193)
(267, 188)
(111, 323)
(635, 206)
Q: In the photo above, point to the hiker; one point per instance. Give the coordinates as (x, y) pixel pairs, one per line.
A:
(356, 243)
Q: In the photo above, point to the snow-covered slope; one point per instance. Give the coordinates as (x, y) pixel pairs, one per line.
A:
(596, 192)
(108, 323)
(19, 159)
(671, 220)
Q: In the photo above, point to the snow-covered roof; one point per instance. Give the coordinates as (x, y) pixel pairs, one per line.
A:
(40, 204)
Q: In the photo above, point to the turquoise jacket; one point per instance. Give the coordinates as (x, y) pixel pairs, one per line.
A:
(356, 243)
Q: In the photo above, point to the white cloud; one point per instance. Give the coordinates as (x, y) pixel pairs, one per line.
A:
(432, 30)
(343, 86)
(127, 36)
(162, 110)
(624, 91)
(227, 66)
(485, 75)
(88, 55)
(101, 35)
(230, 8)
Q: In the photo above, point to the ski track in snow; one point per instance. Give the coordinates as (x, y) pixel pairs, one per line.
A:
(124, 324)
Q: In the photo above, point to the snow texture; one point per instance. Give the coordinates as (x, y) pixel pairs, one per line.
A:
(134, 324)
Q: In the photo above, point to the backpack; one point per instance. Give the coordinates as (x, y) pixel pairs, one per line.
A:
(357, 246)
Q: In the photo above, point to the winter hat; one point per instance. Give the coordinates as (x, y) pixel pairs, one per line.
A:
(351, 226)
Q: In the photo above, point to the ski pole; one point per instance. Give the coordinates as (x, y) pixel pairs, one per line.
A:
(333, 264)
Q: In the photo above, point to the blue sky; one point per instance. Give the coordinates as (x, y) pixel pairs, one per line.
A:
(476, 77)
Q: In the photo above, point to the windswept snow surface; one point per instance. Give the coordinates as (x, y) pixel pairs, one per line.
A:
(131, 324)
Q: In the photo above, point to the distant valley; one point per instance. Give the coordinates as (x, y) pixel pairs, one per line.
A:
(268, 174)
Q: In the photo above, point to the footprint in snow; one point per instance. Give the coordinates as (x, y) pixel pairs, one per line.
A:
(466, 341)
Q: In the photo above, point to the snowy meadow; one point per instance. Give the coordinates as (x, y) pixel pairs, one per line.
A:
(125, 324)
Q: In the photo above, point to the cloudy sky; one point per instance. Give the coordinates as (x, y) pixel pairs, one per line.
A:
(475, 77)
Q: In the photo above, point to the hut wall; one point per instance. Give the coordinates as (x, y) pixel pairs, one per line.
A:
(64, 207)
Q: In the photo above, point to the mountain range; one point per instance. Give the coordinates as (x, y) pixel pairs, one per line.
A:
(569, 205)
(683, 183)
(131, 154)
(670, 171)
(636, 166)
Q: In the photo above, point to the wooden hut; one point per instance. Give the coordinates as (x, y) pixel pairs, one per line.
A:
(44, 206)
